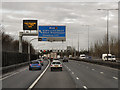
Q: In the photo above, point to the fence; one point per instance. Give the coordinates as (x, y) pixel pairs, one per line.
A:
(11, 58)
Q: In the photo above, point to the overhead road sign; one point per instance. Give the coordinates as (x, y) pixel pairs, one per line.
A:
(52, 33)
(29, 24)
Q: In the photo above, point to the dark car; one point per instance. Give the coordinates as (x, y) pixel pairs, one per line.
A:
(65, 59)
(35, 65)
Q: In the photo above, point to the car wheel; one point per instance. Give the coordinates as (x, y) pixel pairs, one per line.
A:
(39, 68)
(61, 69)
(30, 69)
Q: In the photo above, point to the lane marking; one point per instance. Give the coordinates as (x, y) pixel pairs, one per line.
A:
(93, 69)
(13, 74)
(101, 72)
(69, 70)
(34, 83)
(72, 72)
(115, 78)
(86, 67)
(84, 87)
(77, 78)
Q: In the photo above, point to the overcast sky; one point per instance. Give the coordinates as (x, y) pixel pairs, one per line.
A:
(75, 15)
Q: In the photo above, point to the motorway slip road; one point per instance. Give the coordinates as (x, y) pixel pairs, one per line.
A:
(23, 78)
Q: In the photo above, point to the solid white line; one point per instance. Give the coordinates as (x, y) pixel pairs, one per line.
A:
(101, 72)
(115, 78)
(77, 78)
(34, 83)
(12, 74)
(84, 87)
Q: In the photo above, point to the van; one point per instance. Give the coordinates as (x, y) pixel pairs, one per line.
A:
(109, 56)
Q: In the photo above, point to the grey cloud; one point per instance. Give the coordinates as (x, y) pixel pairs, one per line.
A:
(73, 15)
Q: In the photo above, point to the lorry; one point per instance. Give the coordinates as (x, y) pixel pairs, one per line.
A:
(53, 55)
(108, 57)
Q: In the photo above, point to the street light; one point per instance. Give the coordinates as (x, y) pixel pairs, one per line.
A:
(88, 36)
(29, 48)
(108, 45)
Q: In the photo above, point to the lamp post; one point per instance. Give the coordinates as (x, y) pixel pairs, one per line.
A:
(107, 13)
(88, 35)
(29, 48)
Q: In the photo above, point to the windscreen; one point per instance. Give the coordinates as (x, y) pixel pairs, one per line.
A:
(34, 62)
(56, 63)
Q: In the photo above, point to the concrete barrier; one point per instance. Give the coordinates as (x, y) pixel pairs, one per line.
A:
(13, 67)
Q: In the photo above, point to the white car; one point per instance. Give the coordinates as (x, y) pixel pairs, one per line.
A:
(82, 56)
(56, 65)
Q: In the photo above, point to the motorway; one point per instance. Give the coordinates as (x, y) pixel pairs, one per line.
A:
(75, 74)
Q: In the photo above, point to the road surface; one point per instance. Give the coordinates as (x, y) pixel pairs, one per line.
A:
(75, 74)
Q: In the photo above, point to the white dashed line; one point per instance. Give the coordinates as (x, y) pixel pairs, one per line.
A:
(77, 78)
(93, 69)
(115, 78)
(72, 72)
(101, 72)
(69, 70)
(84, 87)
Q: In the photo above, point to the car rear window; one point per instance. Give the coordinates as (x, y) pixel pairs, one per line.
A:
(82, 56)
(56, 63)
(34, 62)
(41, 60)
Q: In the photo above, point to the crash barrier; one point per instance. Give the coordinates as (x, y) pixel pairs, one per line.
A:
(13, 67)
(11, 58)
(100, 62)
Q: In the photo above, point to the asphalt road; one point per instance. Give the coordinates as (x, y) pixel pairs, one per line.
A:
(56, 79)
(75, 74)
(90, 75)
(22, 78)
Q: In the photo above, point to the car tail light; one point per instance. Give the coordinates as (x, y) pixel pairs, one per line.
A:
(61, 65)
(41, 61)
(30, 64)
(51, 65)
(38, 64)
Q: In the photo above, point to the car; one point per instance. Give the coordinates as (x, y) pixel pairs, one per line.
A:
(82, 56)
(65, 59)
(35, 65)
(56, 65)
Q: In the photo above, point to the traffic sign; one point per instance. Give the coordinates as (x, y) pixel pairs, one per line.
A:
(29, 24)
(52, 33)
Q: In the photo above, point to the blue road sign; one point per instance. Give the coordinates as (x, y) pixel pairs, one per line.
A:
(51, 31)
(44, 39)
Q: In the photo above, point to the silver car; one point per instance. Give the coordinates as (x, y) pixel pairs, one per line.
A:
(56, 65)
